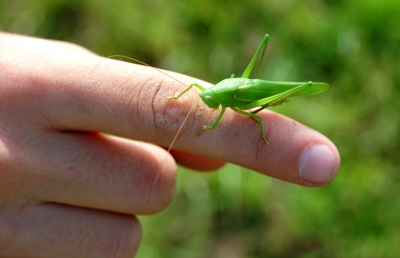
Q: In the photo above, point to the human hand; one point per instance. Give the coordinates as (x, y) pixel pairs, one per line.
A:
(68, 191)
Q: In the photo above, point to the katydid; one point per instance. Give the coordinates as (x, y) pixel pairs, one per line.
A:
(240, 94)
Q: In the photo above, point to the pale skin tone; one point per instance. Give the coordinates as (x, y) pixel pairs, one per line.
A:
(68, 191)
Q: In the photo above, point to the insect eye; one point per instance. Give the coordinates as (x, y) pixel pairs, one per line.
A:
(208, 97)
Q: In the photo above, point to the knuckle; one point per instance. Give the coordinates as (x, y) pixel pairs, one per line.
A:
(128, 239)
(154, 189)
(160, 119)
(160, 186)
(148, 182)
(160, 192)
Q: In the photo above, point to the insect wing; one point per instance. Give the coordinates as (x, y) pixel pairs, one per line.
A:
(314, 88)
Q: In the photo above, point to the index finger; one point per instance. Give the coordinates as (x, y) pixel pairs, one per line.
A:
(89, 93)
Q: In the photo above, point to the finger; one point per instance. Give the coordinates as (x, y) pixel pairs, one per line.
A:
(53, 230)
(129, 100)
(95, 171)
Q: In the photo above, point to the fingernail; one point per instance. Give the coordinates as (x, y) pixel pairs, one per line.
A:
(317, 164)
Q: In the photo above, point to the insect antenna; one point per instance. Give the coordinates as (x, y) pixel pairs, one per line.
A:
(181, 126)
(143, 63)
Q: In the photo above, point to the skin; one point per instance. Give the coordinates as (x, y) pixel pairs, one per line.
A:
(68, 191)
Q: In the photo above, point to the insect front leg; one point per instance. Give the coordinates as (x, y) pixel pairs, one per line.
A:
(214, 124)
(186, 90)
(255, 117)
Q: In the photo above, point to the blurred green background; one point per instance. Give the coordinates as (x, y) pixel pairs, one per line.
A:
(353, 45)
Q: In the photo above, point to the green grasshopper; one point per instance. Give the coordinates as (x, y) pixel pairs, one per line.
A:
(240, 94)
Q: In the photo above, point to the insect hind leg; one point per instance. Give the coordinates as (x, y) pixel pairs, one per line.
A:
(255, 117)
